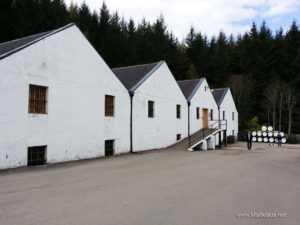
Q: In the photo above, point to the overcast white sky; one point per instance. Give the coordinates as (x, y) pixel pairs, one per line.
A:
(207, 16)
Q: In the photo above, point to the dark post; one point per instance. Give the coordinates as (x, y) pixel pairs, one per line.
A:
(131, 97)
(189, 104)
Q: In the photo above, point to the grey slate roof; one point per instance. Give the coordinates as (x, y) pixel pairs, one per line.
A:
(11, 47)
(219, 94)
(133, 76)
(189, 87)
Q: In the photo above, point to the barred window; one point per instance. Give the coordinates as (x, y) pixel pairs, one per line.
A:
(36, 155)
(178, 111)
(109, 147)
(197, 113)
(37, 99)
(150, 109)
(109, 105)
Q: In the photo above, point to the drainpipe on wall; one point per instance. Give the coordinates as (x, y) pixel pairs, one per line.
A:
(131, 98)
(189, 104)
(219, 127)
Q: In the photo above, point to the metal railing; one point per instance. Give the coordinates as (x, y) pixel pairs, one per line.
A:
(217, 124)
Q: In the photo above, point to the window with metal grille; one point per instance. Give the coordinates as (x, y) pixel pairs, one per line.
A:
(36, 155)
(223, 115)
(197, 113)
(178, 137)
(37, 99)
(150, 109)
(109, 105)
(232, 115)
(109, 147)
(178, 111)
(211, 114)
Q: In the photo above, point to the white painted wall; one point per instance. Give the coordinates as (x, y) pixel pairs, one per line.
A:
(229, 107)
(77, 79)
(160, 131)
(202, 99)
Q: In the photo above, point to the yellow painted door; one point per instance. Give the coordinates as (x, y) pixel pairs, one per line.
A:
(204, 118)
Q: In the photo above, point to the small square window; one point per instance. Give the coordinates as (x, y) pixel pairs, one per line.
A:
(150, 109)
(36, 155)
(109, 105)
(178, 111)
(109, 147)
(37, 99)
(178, 137)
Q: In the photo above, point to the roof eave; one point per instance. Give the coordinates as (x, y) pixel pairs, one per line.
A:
(132, 90)
(34, 41)
(189, 98)
(223, 96)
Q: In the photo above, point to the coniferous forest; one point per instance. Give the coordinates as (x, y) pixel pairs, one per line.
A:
(261, 68)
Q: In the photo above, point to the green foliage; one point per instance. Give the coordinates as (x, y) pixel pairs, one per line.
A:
(253, 124)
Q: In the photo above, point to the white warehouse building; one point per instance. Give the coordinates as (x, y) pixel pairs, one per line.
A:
(59, 101)
(159, 108)
(203, 110)
(227, 110)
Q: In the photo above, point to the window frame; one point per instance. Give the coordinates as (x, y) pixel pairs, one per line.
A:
(151, 110)
(109, 147)
(37, 105)
(178, 111)
(109, 108)
(36, 151)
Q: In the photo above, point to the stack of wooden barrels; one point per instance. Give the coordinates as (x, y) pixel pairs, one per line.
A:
(268, 135)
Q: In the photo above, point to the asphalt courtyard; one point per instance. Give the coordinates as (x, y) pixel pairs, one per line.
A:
(161, 187)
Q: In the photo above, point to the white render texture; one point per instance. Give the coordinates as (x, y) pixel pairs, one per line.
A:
(77, 79)
(204, 100)
(229, 107)
(160, 131)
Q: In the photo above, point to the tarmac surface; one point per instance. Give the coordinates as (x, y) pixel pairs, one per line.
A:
(161, 187)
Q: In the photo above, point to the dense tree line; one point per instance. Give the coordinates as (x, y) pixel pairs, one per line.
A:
(262, 69)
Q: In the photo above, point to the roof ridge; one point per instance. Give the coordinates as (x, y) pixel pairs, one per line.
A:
(132, 66)
(191, 79)
(219, 88)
